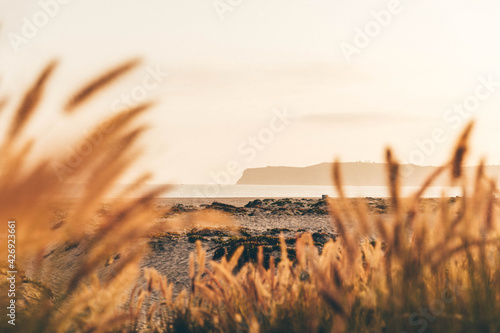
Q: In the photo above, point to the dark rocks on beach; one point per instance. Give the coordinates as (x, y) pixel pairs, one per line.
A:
(225, 208)
(287, 206)
(255, 204)
(278, 207)
(219, 253)
(282, 202)
(158, 241)
(194, 238)
(157, 245)
(320, 203)
(215, 234)
(270, 243)
(223, 242)
(179, 208)
(270, 246)
(276, 231)
(323, 237)
(316, 210)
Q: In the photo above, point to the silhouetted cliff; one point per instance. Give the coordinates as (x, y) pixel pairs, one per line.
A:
(353, 174)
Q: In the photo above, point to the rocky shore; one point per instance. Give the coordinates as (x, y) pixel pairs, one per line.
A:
(257, 223)
(282, 206)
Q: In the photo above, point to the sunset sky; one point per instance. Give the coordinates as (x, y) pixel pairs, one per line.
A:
(354, 76)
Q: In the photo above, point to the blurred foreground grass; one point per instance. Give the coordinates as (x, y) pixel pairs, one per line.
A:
(409, 270)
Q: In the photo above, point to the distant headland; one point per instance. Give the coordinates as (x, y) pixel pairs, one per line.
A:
(353, 174)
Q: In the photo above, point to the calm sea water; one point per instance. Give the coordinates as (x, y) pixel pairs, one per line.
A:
(295, 191)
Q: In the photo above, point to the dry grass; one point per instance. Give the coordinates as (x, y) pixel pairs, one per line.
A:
(413, 270)
(31, 194)
(424, 272)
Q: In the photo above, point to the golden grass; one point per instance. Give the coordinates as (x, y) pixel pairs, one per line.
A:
(411, 270)
(90, 89)
(425, 271)
(31, 194)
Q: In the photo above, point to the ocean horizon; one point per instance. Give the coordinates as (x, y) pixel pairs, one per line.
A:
(296, 191)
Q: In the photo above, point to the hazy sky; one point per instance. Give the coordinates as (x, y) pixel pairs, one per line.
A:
(355, 75)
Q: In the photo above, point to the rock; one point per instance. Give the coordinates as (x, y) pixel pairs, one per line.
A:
(277, 231)
(323, 237)
(194, 238)
(219, 253)
(226, 208)
(157, 245)
(320, 203)
(316, 211)
(282, 202)
(255, 204)
(178, 209)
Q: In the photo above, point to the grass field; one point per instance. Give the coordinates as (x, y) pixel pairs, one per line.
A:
(408, 270)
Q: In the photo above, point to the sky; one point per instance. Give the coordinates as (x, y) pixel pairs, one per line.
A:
(243, 83)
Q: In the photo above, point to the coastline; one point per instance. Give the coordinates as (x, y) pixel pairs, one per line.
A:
(259, 225)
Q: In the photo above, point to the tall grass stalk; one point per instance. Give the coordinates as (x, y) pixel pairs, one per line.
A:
(413, 270)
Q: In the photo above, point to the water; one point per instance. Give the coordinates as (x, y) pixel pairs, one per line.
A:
(296, 191)
(173, 259)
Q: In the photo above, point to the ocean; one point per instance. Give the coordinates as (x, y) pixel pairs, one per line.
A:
(296, 191)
